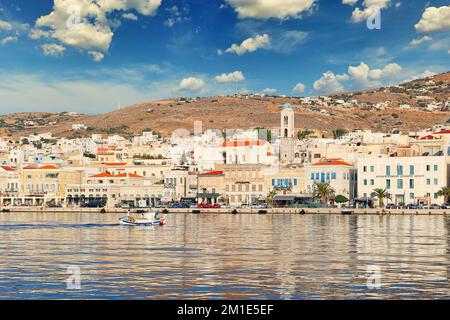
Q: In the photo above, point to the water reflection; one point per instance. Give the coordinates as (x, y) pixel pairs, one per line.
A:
(224, 256)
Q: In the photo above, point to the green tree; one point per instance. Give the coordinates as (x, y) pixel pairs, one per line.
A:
(339, 132)
(322, 191)
(444, 192)
(380, 194)
(341, 199)
(270, 196)
(303, 134)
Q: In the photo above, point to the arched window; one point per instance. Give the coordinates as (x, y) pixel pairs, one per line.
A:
(285, 133)
(286, 120)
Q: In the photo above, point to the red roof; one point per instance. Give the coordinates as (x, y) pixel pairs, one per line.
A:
(443, 132)
(429, 137)
(48, 167)
(243, 143)
(8, 168)
(121, 175)
(113, 164)
(211, 173)
(332, 162)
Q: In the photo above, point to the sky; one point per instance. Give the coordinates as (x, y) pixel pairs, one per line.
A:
(94, 56)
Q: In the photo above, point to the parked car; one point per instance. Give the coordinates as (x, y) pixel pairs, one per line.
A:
(260, 206)
(446, 206)
(390, 206)
(435, 206)
(94, 204)
(412, 206)
(179, 205)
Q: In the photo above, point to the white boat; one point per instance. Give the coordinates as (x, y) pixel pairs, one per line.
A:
(146, 219)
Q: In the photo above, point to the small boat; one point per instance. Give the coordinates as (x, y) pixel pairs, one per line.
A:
(147, 219)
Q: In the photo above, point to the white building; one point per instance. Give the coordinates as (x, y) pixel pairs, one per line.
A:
(414, 180)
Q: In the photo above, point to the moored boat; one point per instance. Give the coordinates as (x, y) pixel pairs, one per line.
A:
(145, 219)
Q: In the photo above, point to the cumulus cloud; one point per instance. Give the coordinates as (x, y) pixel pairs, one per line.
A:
(349, 2)
(84, 24)
(361, 76)
(434, 19)
(8, 39)
(96, 56)
(369, 9)
(54, 50)
(130, 16)
(299, 88)
(269, 91)
(330, 82)
(265, 9)
(417, 41)
(250, 45)
(5, 25)
(236, 76)
(191, 84)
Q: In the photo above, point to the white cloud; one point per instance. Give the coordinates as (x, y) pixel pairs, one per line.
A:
(236, 76)
(269, 91)
(361, 76)
(130, 16)
(265, 9)
(369, 9)
(288, 41)
(299, 88)
(417, 41)
(7, 40)
(96, 56)
(349, 2)
(434, 19)
(53, 49)
(5, 25)
(250, 45)
(84, 24)
(330, 83)
(191, 84)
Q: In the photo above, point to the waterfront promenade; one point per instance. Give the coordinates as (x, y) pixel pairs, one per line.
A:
(331, 211)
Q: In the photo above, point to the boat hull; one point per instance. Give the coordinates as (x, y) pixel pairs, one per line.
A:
(127, 221)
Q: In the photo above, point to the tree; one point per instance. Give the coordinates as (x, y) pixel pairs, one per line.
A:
(381, 194)
(339, 132)
(444, 192)
(341, 199)
(270, 196)
(303, 134)
(322, 191)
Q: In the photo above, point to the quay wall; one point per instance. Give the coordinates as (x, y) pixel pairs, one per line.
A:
(338, 211)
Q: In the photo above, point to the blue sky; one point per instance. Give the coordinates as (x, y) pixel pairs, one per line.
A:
(92, 56)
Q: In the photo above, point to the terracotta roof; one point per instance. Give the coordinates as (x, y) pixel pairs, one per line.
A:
(332, 162)
(121, 175)
(7, 168)
(211, 173)
(243, 143)
(429, 137)
(113, 164)
(48, 167)
(443, 132)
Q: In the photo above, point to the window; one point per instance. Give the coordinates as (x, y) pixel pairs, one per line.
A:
(372, 182)
(436, 196)
(428, 181)
(411, 195)
(312, 176)
(295, 181)
(435, 167)
(388, 170)
(273, 182)
(399, 170)
(428, 167)
(399, 183)
(328, 176)
(333, 175)
(411, 183)
(411, 170)
(435, 181)
(365, 182)
(372, 169)
(364, 169)
(388, 183)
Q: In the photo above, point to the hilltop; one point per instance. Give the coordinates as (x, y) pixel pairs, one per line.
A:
(409, 106)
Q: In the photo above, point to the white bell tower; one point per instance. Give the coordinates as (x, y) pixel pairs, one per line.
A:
(287, 134)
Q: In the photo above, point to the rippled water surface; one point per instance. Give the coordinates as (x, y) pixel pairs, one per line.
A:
(225, 256)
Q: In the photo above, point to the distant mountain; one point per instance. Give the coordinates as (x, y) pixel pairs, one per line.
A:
(250, 112)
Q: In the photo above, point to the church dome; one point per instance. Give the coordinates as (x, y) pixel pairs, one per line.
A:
(287, 106)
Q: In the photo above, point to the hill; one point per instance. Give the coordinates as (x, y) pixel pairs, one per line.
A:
(250, 111)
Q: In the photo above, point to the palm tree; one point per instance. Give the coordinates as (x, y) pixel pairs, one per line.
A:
(381, 194)
(445, 192)
(323, 191)
(270, 196)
